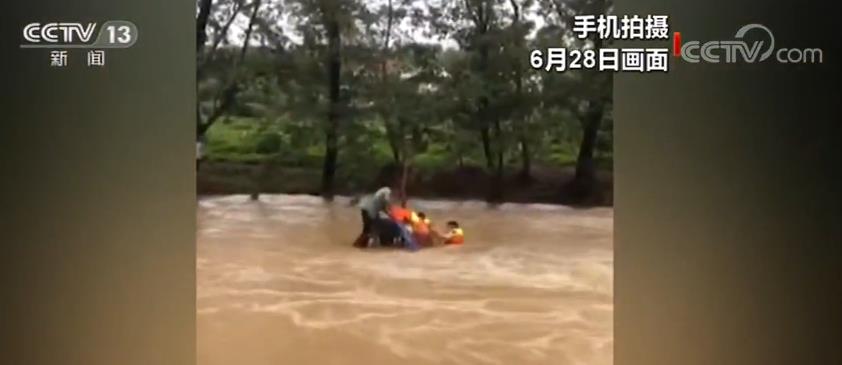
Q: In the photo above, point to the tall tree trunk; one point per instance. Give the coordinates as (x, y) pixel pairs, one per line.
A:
(481, 16)
(485, 130)
(258, 176)
(496, 193)
(404, 176)
(394, 141)
(222, 33)
(405, 153)
(526, 160)
(334, 67)
(486, 146)
(249, 30)
(585, 177)
(388, 35)
(227, 96)
(391, 135)
(201, 37)
(202, 24)
(585, 167)
(418, 143)
(257, 179)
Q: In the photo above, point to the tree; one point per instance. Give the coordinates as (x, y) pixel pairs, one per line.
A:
(202, 23)
(593, 93)
(584, 181)
(225, 97)
(351, 78)
(325, 25)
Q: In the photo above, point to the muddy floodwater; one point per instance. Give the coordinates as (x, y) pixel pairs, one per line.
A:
(279, 283)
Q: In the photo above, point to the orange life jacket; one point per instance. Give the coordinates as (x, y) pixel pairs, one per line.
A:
(421, 227)
(399, 214)
(456, 237)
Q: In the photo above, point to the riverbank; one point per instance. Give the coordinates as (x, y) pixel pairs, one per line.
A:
(546, 185)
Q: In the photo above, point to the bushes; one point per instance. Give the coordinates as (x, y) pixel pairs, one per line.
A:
(268, 143)
(364, 149)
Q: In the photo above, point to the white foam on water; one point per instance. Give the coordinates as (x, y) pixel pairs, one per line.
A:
(533, 284)
(590, 272)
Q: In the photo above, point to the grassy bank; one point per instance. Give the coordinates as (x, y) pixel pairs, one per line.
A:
(244, 156)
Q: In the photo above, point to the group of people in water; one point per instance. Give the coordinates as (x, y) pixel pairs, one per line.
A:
(388, 224)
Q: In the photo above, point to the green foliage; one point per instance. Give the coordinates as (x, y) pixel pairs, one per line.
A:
(402, 98)
(269, 143)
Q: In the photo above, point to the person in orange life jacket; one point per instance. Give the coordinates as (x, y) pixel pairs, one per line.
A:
(454, 235)
(421, 229)
(418, 220)
(399, 214)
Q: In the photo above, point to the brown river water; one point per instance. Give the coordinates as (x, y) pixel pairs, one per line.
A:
(279, 283)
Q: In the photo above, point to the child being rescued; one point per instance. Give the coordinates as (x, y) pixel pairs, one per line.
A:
(421, 229)
(454, 235)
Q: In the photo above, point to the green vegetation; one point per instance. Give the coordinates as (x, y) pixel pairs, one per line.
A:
(362, 99)
(247, 140)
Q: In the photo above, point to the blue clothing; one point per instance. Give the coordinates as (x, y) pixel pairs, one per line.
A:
(389, 230)
(408, 240)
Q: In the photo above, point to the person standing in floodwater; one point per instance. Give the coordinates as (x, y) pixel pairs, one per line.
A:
(370, 208)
